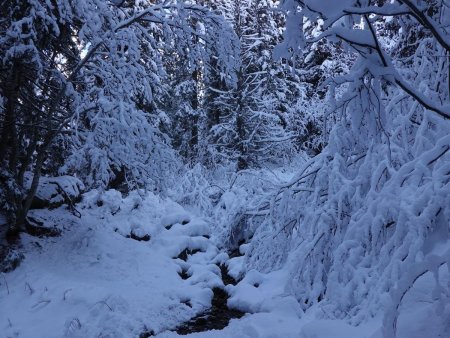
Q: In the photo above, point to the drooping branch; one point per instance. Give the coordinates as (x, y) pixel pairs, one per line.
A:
(425, 102)
(428, 23)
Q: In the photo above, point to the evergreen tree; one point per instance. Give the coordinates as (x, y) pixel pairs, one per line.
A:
(248, 120)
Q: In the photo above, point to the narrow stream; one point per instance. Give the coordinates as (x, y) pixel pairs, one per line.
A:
(219, 315)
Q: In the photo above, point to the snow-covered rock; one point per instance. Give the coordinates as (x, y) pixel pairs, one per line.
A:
(55, 191)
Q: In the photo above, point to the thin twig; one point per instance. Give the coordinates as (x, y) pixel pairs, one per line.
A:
(29, 288)
(103, 302)
(6, 283)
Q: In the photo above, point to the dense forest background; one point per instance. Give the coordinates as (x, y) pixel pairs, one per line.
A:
(317, 132)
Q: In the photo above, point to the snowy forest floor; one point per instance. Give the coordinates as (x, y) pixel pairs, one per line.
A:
(114, 272)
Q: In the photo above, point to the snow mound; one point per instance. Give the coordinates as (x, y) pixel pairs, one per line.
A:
(52, 192)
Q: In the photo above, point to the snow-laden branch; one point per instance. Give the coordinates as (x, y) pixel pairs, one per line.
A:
(366, 40)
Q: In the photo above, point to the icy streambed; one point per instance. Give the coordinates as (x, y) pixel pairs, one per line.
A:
(219, 315)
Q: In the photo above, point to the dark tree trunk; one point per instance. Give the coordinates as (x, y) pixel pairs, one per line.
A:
(242, 162)
(8, 140)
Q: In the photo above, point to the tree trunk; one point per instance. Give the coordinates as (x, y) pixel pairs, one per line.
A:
(8, 139)
(24, 207)
(242, 162)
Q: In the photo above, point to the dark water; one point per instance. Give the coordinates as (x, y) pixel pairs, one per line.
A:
(218, 316)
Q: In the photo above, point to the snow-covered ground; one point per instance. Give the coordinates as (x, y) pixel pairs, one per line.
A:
(97, 281)
(93, 281)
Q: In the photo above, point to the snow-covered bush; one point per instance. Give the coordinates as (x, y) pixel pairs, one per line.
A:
(375, 203)
(193, 189)
(242, 205)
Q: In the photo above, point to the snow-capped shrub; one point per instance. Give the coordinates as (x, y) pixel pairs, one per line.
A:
(193, 189)
(373, 205)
